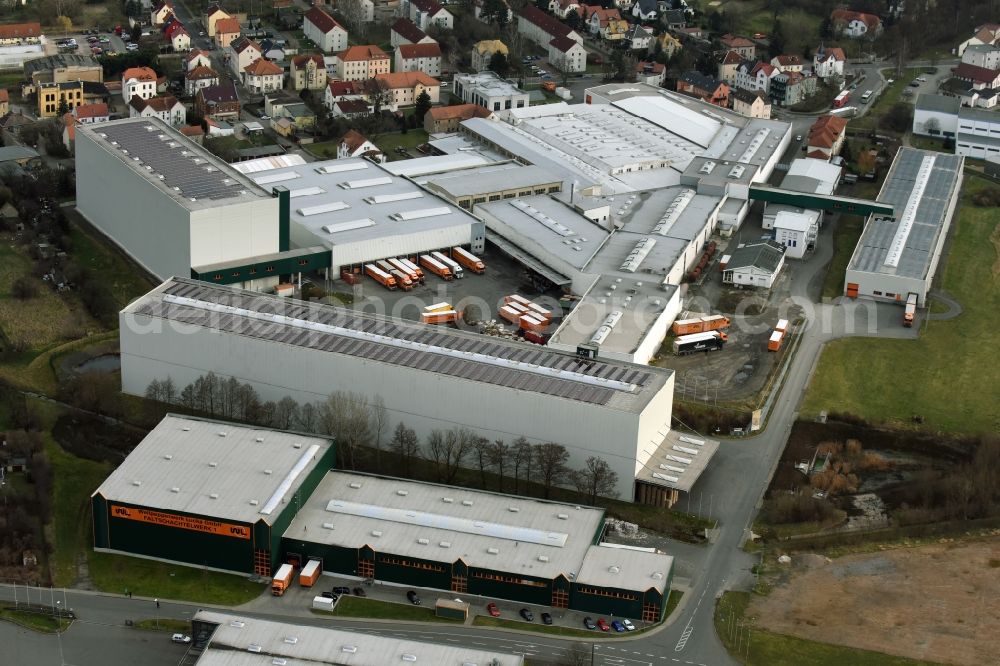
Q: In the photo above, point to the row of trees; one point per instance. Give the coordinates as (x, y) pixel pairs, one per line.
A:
(367, 441)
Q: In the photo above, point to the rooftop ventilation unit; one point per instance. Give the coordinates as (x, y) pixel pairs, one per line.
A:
(168, 457)
(276, 177)
(306, 192)
(340, 168)
(350, 649)
(237, 624)
(214, 495)
(513, 509)
(493, 551)
(409, 657)
(445, 544)
(355, 485)
(365, 182)
(402, 493)
(405, 216)
(323, 208)
(614, 569)
(350, 225)
(466, 502)
(137, 483)
(291, 640)
(447, 500)
(707, 168)
(562, 516)
(279, 661)
(606, 327)
(328, 526)
(175, 489)
(253, 647)
(543, 558)
(737, 171)
(637, 255)
(423, 542)
(254, 502)
(389, 198)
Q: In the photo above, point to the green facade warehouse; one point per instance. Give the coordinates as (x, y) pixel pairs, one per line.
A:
(232, 498)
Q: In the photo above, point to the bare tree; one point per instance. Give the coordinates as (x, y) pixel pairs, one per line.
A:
(307, 419)
(168, 390)
(355, 15)
(498, 454)
(551, 459)
(405, 446)
(522, 460)
(481, 448)
(378, 425)
(596, 479)
(286, 413)
(345, 416)
(449, 450)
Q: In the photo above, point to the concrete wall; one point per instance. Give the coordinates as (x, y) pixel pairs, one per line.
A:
(237, 231)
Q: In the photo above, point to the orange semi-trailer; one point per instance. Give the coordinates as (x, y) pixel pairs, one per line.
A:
(380, 276)
(436, 267)
(400, 266)
(282, 579)
(310, 573)
(413, 269)
(469, 260)
(700, 324)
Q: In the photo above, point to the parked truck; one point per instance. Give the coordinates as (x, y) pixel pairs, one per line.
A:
(282, 579)
(700, 324)
(774, 342)
(413, 269)
(910, 311)
(402, 279)
(468, 260)
(310, 573)
(398, 265)
(380, 276)
(436, 267)
(452, 265)
(696, 342)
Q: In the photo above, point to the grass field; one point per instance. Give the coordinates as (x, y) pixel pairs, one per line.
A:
(845, 237)
(892, 94)
(949, 376)
(385, 610)
(755, 646)
(672, 601)
(387, 142)
(164, 624)
(40, 622)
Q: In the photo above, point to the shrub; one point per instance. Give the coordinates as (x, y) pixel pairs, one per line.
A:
(987, 198)
(24, 288)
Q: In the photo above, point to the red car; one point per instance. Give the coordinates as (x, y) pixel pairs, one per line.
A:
(493, 610)
(603, 625)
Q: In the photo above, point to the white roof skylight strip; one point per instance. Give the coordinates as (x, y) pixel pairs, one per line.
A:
(450, 523)
(306, 192)
(286, 483)
(340, 168)
(366, 182)
(331, 207)
(405, 344)
(389, 198)
(909, 212)
(276, 177)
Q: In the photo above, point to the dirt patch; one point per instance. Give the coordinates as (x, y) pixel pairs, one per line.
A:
(939, 602)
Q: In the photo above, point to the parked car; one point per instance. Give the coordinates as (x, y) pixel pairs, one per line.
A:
(492, 609)
(798, 137)
(180, 638)
(618, 626)
(922, 79)
(414, 599)
(342, 589)
(359, 592)
(628, 625)
(527, 615)
(589, 623)
(328, 595)
(603, 625)
(546, 618)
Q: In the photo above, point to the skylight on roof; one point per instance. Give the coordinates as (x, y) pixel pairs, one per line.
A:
(331, 207)
(276, 177)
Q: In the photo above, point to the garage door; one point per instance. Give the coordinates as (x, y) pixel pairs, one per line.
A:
(852, 290)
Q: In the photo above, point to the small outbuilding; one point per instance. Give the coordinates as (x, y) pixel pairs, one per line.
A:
(754, 264)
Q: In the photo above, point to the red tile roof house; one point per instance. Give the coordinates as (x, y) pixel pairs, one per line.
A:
(262, 76)
(705, 88)
(741, 45)
(405, 31)
(226, 30)
(855, 24)
(826, 137)
(424, 58)
(324, 30)
(979, 78)
(220, 101)
(447, 118)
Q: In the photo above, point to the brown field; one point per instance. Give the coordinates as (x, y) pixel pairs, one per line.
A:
(938, 602)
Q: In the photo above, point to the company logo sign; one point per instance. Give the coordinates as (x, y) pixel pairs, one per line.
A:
(180, 522)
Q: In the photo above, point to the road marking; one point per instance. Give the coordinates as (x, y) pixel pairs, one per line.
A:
(689, 628)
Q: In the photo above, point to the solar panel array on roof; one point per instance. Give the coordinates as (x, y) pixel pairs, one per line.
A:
(174, 160)
(443, 363)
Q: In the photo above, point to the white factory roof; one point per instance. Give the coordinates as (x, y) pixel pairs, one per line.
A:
(695, 126)
(488, 83)
(249, 641)
(453, 143)
(183, 170)
(490, 178)
(214, 468)
(675, 212)
(625, 569)
(822, 176)
(794, 221)
(465, 357)
(678, 461)
(445, 523)
(268, 163)
(920, 185)
(421, 166)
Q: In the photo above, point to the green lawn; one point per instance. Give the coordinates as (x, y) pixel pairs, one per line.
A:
(163, 624)
(125, 282)
(927, 143)
(845, 237)
(40, 622)
(323, 149)
(949, 376)
(672, 601)
(385, 610)
(763, 647)
(387, 142)
(890, 95)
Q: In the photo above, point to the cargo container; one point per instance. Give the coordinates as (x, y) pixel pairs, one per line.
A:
(454, 609)
(723, 262)
(516, 299)
(322, 603)
(469, 260)
(436, 267)
(706, 342)
(538, 312)
(348, 277)
(438, 307)
(514, 305)
(399, 265)
(510, 314)
(413, 269)
(439, 317)
(452, 265)
(715, 322)
(782, 325)
(529, 323)
(380, 276)
(910, 311)
(402, 279)
(536, 337)
(700, 324)
(774, 344)
(310, 573)
(282, 579)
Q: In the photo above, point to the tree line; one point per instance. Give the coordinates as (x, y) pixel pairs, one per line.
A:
(367, 441)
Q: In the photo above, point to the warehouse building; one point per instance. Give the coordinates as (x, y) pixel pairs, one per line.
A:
(168, 203)
(473, 186)
(896, 257)
(226, 639)
(208, 493)
(810, 176)
(429, 378)
(476, 542)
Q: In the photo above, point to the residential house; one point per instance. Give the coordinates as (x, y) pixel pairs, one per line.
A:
(741, 45)
(665, 43)
(4, 102)
(755, 76)
(226, 30)
(826, 137)
(160, 12)
(350, 108)
(977, 78)
(60, 69)
(339, 91)
(405, 87)
(197, 58)
(324, 31)
(198, 78)
(289, 119)
(652, 73)
(405, 31)
(218, 101)
(165, 107)
(482, 53)
(425, 13)
(542, 28)
(193, 132)
(855, 24)
(477, 10)
(217, 128)
(796, 231)
(88, 114)
(270, 49)
(787, 63)
(243, 52)
(424, 58)
(986, 56)
(447, 118)
(359, 63)
(751, 103)
(988, 33)
(567, 56)
(562, 8)
(828, 62)
(490, 91)
(177, 35)
(54, 98)
(356, 144)
(262, 76)
(276, 101)
(674, 19)
(727, 65)
(307, 72)
(705, 88)
(646, 10)
(693, 32)
(754, 264)
(640, 38)
(138, 82)
(212, 14)
(608, 24)
(790, 88)
(986, 98)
